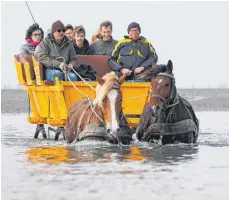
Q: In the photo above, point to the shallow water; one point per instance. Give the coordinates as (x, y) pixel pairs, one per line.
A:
(48, 169)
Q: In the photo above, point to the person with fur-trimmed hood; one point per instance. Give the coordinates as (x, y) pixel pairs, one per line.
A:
(33, 37)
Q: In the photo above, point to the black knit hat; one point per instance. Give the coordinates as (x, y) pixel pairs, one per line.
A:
(133, 25)
(57, 25)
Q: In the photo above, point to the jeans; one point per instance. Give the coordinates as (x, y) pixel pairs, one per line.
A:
(50, 75)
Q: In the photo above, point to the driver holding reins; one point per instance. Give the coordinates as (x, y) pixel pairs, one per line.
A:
(133, 54)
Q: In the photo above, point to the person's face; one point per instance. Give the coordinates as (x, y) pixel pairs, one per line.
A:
(36, 36)
(106, 33)
(79, 37)
(58, 34)
(134, 34)
(69, 34)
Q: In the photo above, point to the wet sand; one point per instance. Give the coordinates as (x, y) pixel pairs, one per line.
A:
(16, 100)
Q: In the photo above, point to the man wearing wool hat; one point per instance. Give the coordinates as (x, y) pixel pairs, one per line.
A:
(56, 52)
(133, 54)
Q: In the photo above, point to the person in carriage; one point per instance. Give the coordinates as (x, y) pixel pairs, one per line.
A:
(103, 42)
(82, 47)
(33, 37)
(133, 54)
(56, 52)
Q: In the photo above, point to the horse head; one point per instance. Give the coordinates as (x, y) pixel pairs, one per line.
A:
(163, 89)
(109, 99)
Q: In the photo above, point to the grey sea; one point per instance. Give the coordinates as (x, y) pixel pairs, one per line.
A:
(34, 169)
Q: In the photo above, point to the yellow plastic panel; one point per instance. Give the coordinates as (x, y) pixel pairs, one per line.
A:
(72, 95)
(134, 97)
(19, 70)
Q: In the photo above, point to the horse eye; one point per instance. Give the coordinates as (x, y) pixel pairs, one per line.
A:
(167, 84)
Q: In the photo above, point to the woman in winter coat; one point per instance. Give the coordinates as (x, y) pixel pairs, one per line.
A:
(33, 37)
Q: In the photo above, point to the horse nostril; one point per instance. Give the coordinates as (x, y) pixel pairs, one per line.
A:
(108, 131)
(157, 107)
(118, 130)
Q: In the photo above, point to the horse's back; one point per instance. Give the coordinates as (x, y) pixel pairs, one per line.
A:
(190, 110)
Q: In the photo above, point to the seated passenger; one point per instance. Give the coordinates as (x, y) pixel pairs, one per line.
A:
(133, 54)
(82, 47)
(56, 52)
(69, 32)
(33, 37)
(105, 43)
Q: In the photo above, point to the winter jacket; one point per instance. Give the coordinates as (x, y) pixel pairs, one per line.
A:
(131, 54)
(49, 52)
(85, 70)
(102, 47)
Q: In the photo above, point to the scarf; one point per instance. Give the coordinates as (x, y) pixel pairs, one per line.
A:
(32, 43)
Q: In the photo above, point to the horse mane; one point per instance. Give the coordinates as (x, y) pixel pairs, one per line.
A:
(102, 90)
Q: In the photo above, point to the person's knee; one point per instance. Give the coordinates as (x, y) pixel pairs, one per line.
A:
(72, 76)
(50, 75)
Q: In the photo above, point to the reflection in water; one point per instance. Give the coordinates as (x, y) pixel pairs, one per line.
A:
(49, 155)
(156, 154)
(135, 154)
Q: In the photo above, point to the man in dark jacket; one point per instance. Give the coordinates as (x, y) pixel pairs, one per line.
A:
(103, 43)
(57, 53)
(82, 47)
(133, 54)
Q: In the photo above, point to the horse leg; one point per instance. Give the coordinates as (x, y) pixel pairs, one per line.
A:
(187, 138)
(168, 139)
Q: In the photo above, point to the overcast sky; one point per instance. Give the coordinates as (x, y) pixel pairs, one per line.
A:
(194, 35)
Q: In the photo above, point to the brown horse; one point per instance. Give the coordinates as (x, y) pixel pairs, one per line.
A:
(167, 115)
(102, 118)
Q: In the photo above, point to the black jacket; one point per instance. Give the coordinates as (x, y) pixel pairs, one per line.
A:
(85, 50)
(132, 54)
(86, 71)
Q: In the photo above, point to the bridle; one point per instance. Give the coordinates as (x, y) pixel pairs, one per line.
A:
(166, 101)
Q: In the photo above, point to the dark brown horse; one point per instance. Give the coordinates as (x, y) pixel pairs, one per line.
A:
(167, 115)
(102, 118)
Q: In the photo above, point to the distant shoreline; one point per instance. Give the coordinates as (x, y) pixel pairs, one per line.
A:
(210, 99)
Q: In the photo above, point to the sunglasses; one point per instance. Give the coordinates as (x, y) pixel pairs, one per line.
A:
(37, 34)
(59, 30)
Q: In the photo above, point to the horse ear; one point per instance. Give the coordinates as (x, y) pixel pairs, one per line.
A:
(99, 80)
(169, 66)
(122, 79)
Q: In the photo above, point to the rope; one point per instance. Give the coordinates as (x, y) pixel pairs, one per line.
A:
(135, 97)
(83, 79)
(89, 100)
(30, 12)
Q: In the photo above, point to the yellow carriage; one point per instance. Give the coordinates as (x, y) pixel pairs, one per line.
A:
(49, 103)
